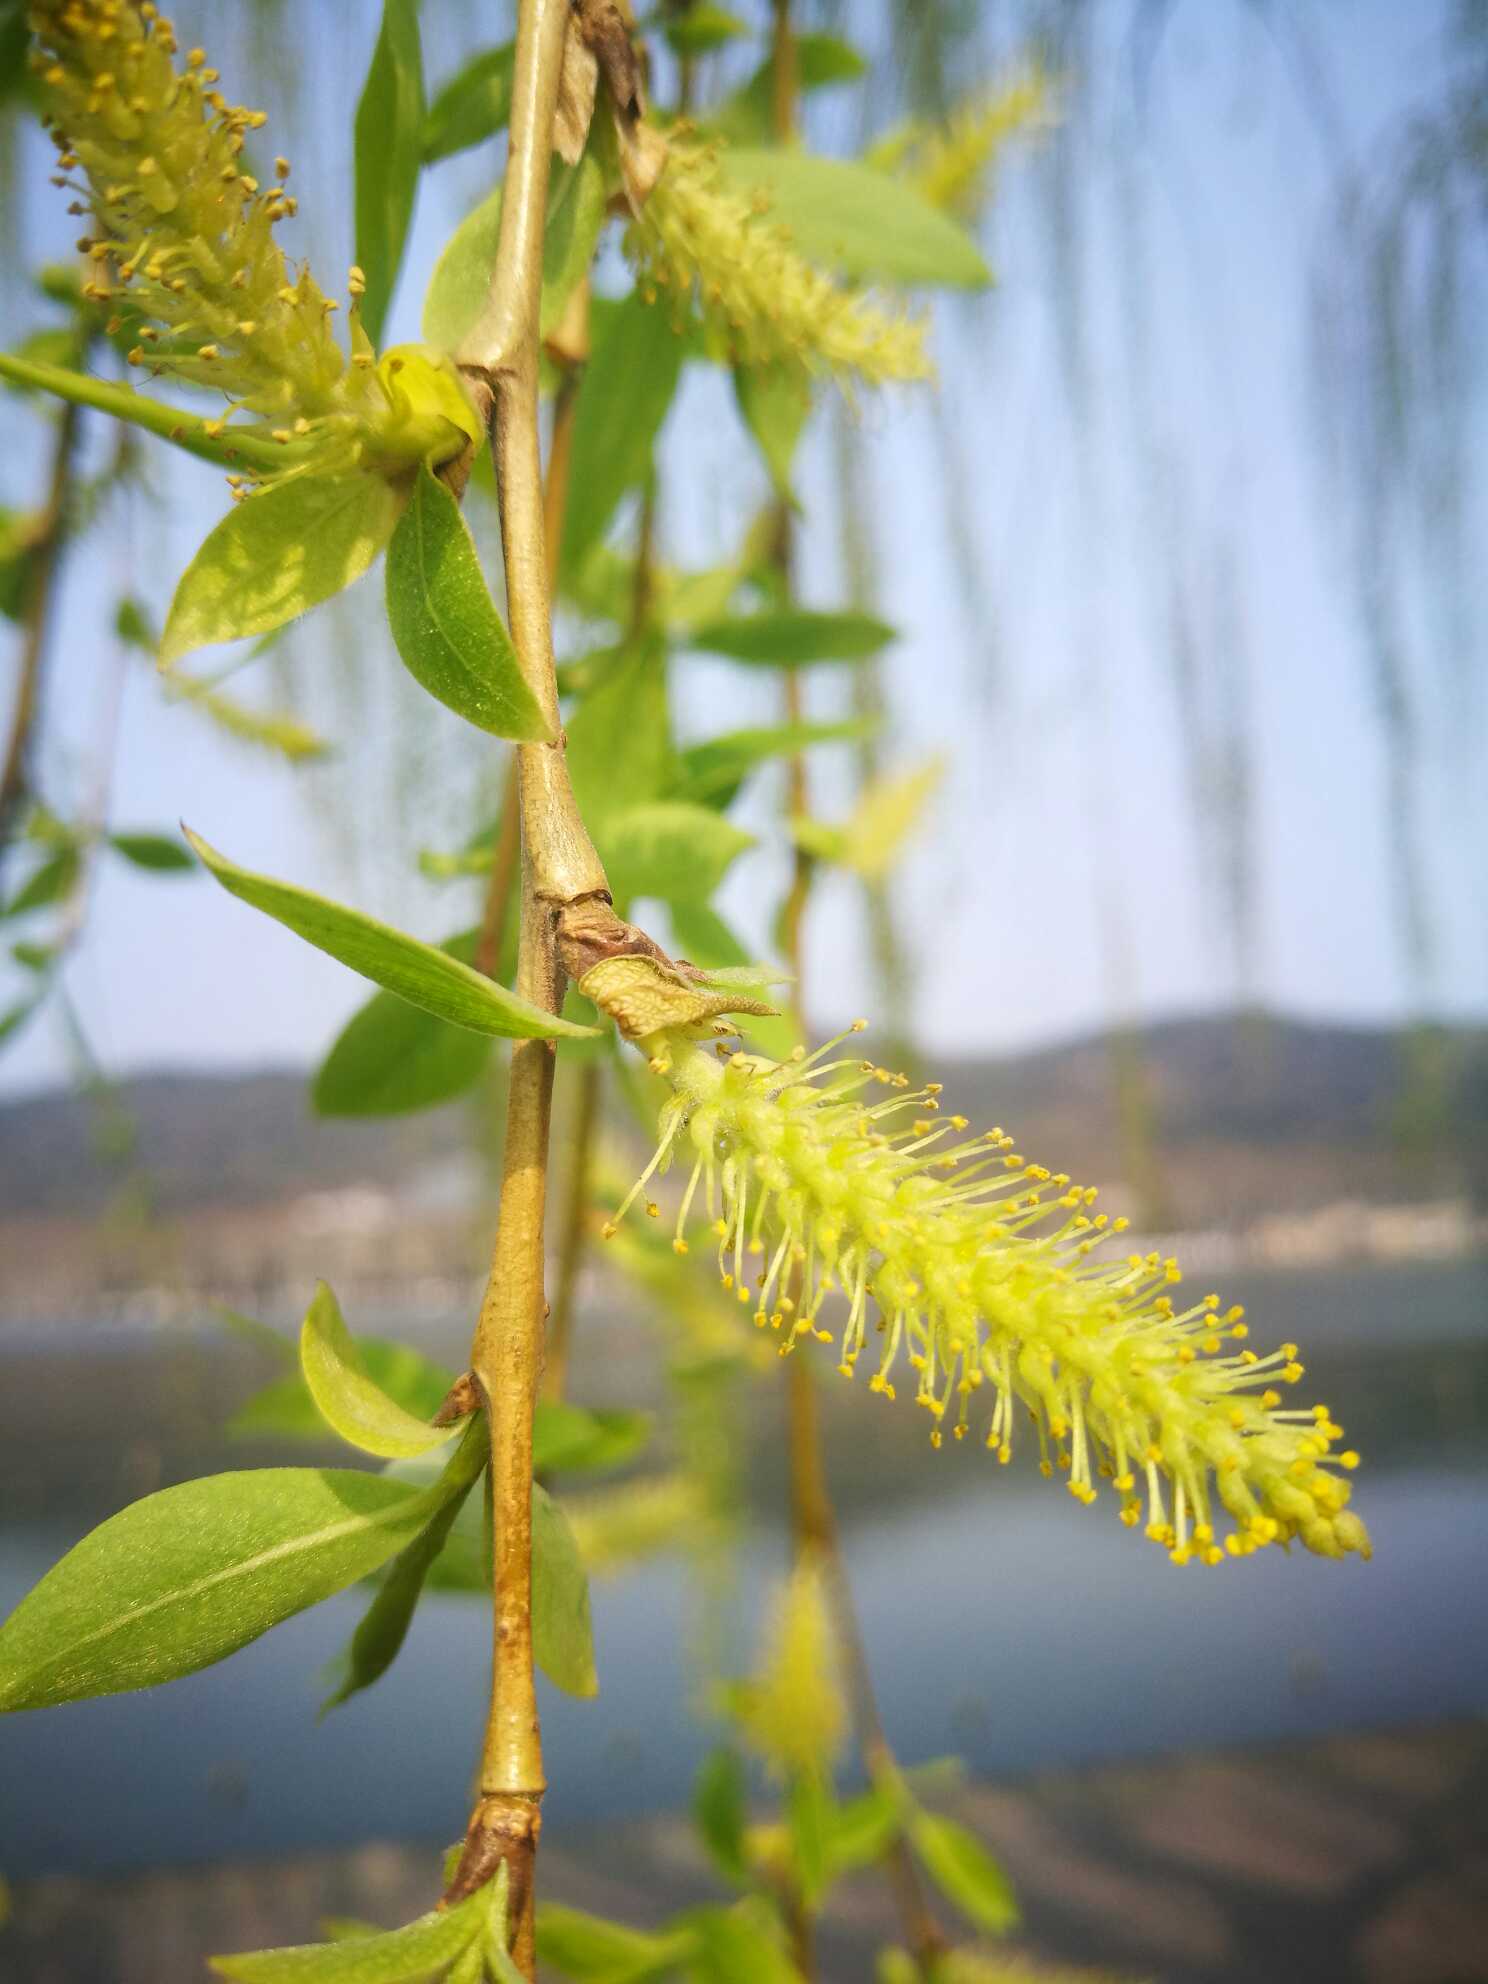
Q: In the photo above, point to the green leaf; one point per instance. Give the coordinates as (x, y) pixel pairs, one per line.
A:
(964, 1871)
(619, 738)
(588, 1948)
(52, 882)
(864, 1828)
(417, 972)
(231, 448)
(277, 553)
(789, 636)
(445, 623)
(718, 1806)
(885, 816)
(574, 1439)
(739, 1945)
(399, 1956)
(15, 1017)
(810, 1815)
(184, 1578)
(857, 221)
(378, 1639)
(701, 936)
(775, 407)
(711, 772)
(669, 848)
(391, 1058)
(472, 106)
(273, 730)
(249, 1330)
(284, 1409)
(702, 29)
(628, 386)
(461, 280)
(562, 1637)
(163, 854)
(350, 1402)
(748, 117)
(389, 150)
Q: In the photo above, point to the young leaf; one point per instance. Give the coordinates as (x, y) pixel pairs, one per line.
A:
(417, 972)
(348, 1400)
(187, 1576)
(628, 386)
(378, 1639)
(249, 1330)
(284, 1409)
(786, 637)
(857, 221)
(702, 28)
(472, 106)
(739, 1945)
(718, 1805)
(462, 276)
(445, 623)
(702, 937)
(389, 150)
(400, 1956)
(810, 1814)
(619, 739)
(49, 883)
(391, 1058)
(864, 1827)
(573, 1439)
(277, 553)
(671, 849)
(775, 406)
(885, 816)
(161, 853)
(228, 448)
(712, 772)
(964, 1871)
(562, 1637)
(588, 1948)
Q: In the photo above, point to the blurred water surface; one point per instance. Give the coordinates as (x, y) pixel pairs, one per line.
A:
(1003, 1624)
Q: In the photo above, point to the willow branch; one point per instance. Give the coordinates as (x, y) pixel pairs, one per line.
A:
(36, 621)
(813, 1518)
(559, 867)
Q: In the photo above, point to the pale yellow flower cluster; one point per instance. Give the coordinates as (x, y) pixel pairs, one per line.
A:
(698, 238)
(978, 1269)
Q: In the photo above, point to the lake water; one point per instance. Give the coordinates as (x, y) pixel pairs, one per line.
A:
(1003, 1624)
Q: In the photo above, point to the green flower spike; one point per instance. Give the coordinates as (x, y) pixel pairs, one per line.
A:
(982, 1269)
(765, 303)
(182, 249)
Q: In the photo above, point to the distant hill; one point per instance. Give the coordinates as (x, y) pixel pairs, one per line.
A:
(1246, 1114)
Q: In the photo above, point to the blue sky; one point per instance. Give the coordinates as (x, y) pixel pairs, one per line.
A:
(1059, 872)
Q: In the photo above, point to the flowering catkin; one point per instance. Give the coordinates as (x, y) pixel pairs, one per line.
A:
(982, 1269)
(182, 242)
(694, 235)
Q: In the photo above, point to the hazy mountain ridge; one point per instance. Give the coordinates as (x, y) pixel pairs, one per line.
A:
(1245, 1112)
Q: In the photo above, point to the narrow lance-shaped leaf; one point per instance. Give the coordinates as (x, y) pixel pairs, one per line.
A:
(384, 1627)
(719, 1805)
(562, 1636)
(790, 636)
(587, 1947)
(857, 221)
(391, 1058)
(408, 1955)
(472, 106)
(276, 554)
(445, 623)
(671, 849)
(185, 1577)
(712, 771)
(417, 972)
(163, 854)
(349, 1401)
(628, 386)
(285, 1410)
(389, 151)
(964, 1871)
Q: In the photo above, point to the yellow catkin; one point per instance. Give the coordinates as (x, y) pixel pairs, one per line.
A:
(697, 238)
(980, 1273)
